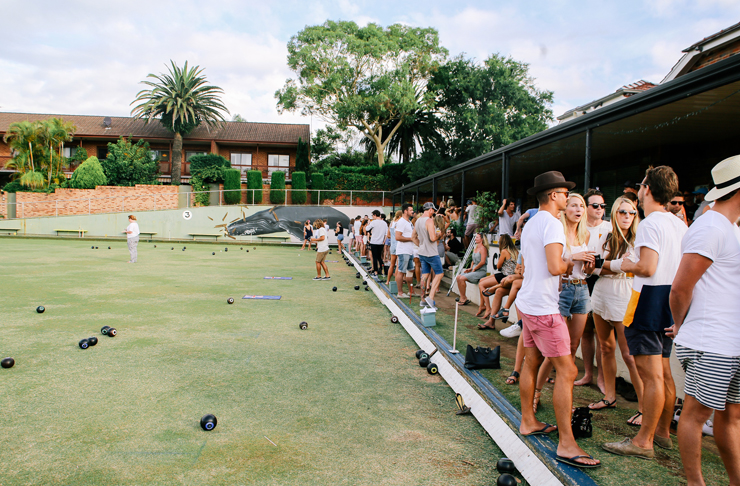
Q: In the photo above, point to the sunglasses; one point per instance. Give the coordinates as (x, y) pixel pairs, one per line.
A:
(597, 206)
(622, 211)
(680, 203)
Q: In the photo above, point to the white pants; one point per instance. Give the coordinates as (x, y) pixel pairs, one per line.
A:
(132, 242)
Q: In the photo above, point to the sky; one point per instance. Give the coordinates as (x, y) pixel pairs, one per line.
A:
(89, 57)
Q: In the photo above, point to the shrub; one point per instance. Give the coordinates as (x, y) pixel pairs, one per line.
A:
(254, 181)
(88, 175)
(129, 164)
(299, 188)
(317, 181)
(302, 164)
(277, 187)
(232, 180)
(200, 162)
(14, 186)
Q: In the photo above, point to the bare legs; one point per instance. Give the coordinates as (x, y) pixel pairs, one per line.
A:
(462, 287)
(392, 270)
(589, 351)
(658, 397)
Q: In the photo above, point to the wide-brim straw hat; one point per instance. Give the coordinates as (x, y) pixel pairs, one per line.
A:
(550, 180)
(726, 176)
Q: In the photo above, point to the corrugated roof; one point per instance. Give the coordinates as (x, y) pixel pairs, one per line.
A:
(126, 126)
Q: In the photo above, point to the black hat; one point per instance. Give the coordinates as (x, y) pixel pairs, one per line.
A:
(549, 180)
(630, 184)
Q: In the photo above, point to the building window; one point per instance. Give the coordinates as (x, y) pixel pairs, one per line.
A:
(160, 155)
(188, 156)
(278, 162)
(241, 161)
(69, 152)
(102, 152)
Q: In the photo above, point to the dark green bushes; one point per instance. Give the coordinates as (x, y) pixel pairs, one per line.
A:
(298, 195)
(88, 175)
(254, 184)
(277, 187)
(232, 184)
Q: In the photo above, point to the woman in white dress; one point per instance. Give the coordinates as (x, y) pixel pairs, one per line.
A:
(609, 301)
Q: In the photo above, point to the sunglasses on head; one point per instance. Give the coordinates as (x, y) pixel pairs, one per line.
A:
(622, 211)
(597, 206)
(680, 203)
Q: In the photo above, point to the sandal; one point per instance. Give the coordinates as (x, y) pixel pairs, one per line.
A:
(483, 327)
(631, 420)
(487, 293)
(502, 313)
(467, 301)
(607, 404)
(513, 378)
(537, 396)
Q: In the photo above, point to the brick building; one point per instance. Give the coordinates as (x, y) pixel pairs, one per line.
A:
(249, 146)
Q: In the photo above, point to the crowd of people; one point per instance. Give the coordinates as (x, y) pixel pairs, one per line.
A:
(655, 274)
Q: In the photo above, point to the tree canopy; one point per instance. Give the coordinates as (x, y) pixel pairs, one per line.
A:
(361, 77)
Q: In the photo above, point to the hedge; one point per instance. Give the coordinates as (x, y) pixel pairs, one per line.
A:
(200, 162)
(88, 175)
(277, 187)
(254, 181)
(298, 194)
(232, 180)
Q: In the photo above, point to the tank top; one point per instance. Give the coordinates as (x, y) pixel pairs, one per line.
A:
(427, 247)
(577, 272)
(508, 267)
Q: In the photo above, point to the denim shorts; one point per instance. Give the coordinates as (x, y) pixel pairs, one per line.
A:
(340, 237)
(430, 263)
(405, 263)
(574, 299)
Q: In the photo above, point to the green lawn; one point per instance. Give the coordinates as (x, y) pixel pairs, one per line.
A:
(344, 402)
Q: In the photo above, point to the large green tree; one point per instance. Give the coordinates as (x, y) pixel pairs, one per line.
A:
(128, 164)
(482, 107)
(362, 77)
(181, 100)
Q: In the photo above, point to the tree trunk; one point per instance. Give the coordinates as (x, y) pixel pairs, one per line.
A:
(176, 160)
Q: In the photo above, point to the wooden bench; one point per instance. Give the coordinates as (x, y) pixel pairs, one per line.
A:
(211, 235)
(80, 232)
(275, 238)
(150, 233)
(10, 230)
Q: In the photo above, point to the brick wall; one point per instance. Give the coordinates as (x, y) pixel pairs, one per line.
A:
(716, 56)
(102, 199)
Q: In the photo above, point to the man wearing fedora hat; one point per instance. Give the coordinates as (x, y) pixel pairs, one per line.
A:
(544, 332)
(705, 304)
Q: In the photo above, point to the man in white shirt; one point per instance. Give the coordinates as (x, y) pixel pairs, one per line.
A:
(405, 251)
(378, 228)
(599, 230)
(321, 238)
(508, 217)
(544, 331)
(658, 249)
(705, 306)
(356, 232)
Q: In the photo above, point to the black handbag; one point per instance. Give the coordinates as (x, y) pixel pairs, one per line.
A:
(581, 423)
(480, 358)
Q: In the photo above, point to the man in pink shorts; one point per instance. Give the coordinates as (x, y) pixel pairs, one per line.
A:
(543, 329)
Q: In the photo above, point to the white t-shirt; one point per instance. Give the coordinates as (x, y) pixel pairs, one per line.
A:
(356, 227)
(598, 236)
(662, 233)
(322, 245)
(711, 324)
(539, 294)
(471, 211)
(379, 229)
(507, 224)
(134, 229)
(404, 227)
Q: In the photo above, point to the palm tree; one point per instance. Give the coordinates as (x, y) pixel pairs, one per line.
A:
(181, 101)
(56, 132)
(22, 138)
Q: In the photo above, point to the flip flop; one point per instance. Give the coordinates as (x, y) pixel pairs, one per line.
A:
(486, 328)
(630, 421)
(607, 404)
(487, 293)
(513, 378)
(572, 461)
(543, 430)
(464, 303)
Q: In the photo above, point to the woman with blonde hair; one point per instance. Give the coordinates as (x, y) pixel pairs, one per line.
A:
(611, 295)
(575, 303)
(506, 266)
(477, 268)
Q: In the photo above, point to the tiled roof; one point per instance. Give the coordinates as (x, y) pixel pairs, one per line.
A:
(639, 86)
(712, 37)
(127, 126)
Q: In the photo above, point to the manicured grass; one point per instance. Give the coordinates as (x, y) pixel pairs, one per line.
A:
(345, 402)
(608, 425)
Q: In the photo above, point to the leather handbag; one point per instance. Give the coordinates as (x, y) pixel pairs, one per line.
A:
(480, 358)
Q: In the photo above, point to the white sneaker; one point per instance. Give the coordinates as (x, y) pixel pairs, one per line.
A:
(512, 331)
(428, 310)
(402, 296)
(708, 428)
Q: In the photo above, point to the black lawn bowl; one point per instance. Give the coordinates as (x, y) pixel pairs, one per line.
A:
(333, 289)
(109, 247)
(183, 249)
(247, 250)
(424, 361)
(92, 247)
(230, 300)
(394, 320)
(208, 422)
(7, 362)
(40, 309)
(104, 330)
(432, 369)
(172, 248)
(506, 480)
(241, 248)
(505, 465)
(367, 289)
(112, 332)
(419, 352)
(357, 287)
(84, 344)
(357, 275)
(303, 326)
(213, 253)
(97, 248)
(226, 249)
(92, 341)
(155, 246)
(364, 282)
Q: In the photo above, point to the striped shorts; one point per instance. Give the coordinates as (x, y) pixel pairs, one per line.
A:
(713, 379)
